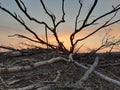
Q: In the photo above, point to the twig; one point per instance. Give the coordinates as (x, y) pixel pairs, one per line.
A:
(58, 76)
(9, 48)
(111, 64)
(13, 82)
(3, 82)
(24, 88)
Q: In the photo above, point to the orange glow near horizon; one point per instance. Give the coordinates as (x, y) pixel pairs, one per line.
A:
(90, 43)
(98, 16)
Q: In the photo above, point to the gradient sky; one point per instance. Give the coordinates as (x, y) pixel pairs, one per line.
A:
(8, 26)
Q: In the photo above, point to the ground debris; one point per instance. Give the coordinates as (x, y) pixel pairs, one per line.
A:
(59, 75)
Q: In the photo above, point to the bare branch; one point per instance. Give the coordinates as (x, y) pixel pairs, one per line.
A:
(21, 5)
(79, 48)
(24, 10)
(106, 14)
(21, 21)
(106, 24)
(9, 48)
(90, 12)
(62, 20)
(107, 42)
(25, 37)
(49, 14)
(76, 21)
(90, 70)
(60, 44)
(24, 7)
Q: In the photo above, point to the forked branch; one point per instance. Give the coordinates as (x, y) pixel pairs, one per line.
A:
(85, 24)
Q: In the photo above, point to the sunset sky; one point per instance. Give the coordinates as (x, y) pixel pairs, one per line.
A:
(9, 26)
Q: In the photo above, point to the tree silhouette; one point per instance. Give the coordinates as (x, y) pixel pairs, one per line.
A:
(27, 63)
(77, 28)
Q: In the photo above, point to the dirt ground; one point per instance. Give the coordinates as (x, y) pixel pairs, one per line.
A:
(109, 64)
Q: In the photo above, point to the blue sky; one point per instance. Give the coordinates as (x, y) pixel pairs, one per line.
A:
(9, 26)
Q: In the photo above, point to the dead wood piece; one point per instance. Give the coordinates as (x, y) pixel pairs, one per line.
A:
(3, 82)
(23, 68)
(111, 64)
(88, 72)
(102, 76)
(13, 82)
(44, 88)
(29, 67)
(58, 76)
(24, 88)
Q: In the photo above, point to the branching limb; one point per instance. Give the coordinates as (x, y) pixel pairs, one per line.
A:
(103, 26)
(85, 24)
(55, 25)
(63, 16)
(76, 24)
(107, 42)
(52, 16)
(115, 9)
(21, 21)
(24, 10)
